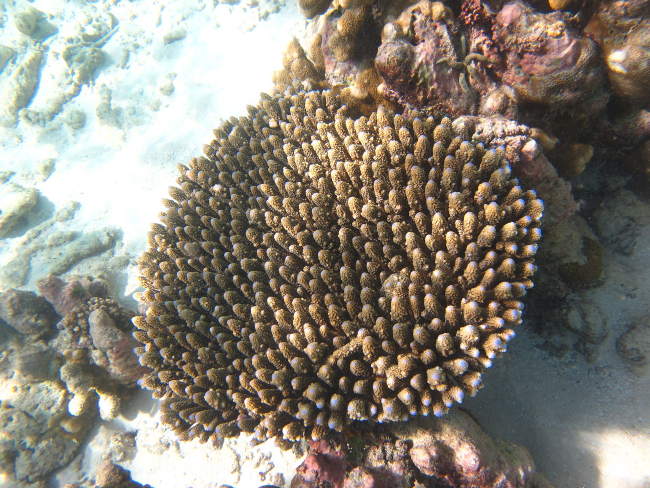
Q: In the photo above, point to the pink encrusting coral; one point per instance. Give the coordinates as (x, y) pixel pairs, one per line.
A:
(549, 64)
(66, 296)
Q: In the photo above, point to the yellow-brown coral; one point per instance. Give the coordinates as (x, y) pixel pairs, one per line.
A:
(295, 66)
(625, 44)
(571, 159)
(314, 270)
(311, 8)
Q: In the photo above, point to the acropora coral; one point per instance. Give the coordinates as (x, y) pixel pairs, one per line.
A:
(313, 270)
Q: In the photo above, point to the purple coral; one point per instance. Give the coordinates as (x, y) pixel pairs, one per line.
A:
(66, 296)
(324, 464)
(549, 64)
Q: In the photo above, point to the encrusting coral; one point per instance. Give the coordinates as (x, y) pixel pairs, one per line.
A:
(549, 64)
(624, 35)
(314, 269)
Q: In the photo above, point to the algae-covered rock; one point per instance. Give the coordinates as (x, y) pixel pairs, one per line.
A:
(634, 347)
(19, 87)
(28, 314)
(15, 201)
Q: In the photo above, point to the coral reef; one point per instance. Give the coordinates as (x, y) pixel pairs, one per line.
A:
(97, 331)
(537, 171)
(315, 270)
(514, 58)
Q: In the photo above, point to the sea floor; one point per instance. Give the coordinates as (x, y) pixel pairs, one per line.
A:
(102, 159)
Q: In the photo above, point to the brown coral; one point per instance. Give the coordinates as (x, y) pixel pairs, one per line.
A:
(624, 35)
(578, 274)
(314, 270)
(311, 8)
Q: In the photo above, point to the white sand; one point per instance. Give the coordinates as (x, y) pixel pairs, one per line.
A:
(585, 424)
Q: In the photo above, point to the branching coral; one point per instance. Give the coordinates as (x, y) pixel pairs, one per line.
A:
(315, 270)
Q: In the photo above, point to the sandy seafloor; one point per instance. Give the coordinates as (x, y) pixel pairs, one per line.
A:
(586, 423)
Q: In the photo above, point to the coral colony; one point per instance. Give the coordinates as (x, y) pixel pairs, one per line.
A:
(316, 269)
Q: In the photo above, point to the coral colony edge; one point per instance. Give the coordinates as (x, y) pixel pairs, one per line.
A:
(318, 267)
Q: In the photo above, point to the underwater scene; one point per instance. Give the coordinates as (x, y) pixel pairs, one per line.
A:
(325, 243)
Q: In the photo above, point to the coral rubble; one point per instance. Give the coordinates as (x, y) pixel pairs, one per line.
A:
(15, 201)
(53, 391)
(314, 270)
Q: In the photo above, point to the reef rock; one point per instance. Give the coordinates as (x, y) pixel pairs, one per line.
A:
(15, 201)
(588, 320)
(456, 452)
(420, 65)
(549, 65)
(452, 452)
(66, 296)
(111, 475)
(114, 348)
(32, 444)
(27, 313)
(634, 347)
(623, 31)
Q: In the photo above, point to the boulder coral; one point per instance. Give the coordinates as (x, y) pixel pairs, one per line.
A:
(549, 64)
(623, 31)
